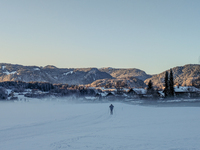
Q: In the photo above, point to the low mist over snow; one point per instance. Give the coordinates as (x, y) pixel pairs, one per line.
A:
(63, 124)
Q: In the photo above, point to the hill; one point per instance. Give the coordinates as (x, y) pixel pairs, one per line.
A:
(123, 73)
(183, 75)
(123, 82)
(52, 74)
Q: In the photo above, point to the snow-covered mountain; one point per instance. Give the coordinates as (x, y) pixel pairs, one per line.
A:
(52, 74)
(183, 75)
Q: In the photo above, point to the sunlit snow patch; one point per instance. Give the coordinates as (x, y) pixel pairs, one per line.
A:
(140, 90)
(3, 67)
(186, 89)
(70, 72)
(36, 69)
(8, 73)
(8, 91)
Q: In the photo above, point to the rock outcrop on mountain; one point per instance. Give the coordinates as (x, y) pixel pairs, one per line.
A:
(183, 75)
(122, 73)
(52, 74)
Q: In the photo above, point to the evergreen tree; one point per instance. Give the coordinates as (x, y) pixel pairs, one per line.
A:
(171, 84)
(150, 87)
(166, 90)
(151, 91)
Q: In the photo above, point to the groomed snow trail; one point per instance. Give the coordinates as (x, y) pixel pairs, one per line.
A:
(63, 125)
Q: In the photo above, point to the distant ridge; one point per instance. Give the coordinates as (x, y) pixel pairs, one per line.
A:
(183, 75)
(52, 74)
(123, 73)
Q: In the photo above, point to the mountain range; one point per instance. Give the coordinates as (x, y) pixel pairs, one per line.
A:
(132, 77)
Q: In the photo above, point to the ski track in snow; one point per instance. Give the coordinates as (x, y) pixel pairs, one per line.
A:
(61, 126)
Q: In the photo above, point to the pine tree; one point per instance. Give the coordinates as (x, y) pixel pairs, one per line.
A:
(171, 84)
(166, 90)
(149, 87)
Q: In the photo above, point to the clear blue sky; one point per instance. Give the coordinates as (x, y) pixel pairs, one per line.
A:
(152, 35)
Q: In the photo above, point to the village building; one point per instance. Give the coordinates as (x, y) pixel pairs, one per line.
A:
(186, 92)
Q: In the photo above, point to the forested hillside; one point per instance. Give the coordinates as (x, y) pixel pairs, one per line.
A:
(183, 75)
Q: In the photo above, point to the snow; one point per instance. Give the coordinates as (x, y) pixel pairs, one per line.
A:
(103, 94)
(125, 89)
(70, 72)
(8, 73)
(8, 91)
(186, 89)
(90, 98)
(161, 93)
(3, 67)
(140, 90)
(107, 89)
(61, 125)
(36, 69)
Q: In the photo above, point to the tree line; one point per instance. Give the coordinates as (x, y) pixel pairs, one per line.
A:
(50, 89)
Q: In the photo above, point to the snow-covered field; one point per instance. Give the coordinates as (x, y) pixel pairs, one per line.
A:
(63, 125)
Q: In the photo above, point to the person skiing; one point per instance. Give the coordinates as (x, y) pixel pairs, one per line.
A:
(111, 109)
